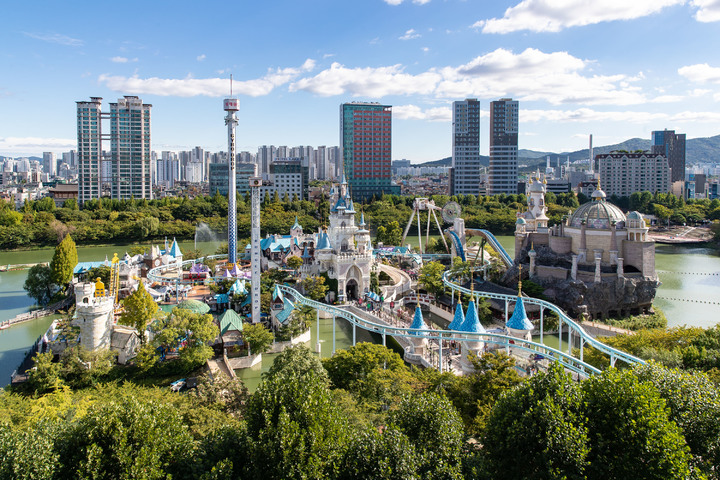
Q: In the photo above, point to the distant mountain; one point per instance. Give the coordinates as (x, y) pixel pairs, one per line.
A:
(698, 150)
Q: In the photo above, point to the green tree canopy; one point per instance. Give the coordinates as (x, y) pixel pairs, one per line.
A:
(139, 309)
(39, 284)
(63, 262)
(314, 287)
(431, 277)
(348, 368)
(258, 337)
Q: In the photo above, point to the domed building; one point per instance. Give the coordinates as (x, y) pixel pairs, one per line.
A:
(596, 245)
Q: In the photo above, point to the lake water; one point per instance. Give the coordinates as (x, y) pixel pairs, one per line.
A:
(689, 295)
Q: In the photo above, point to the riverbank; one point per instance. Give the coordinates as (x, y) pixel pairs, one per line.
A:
(682, 235)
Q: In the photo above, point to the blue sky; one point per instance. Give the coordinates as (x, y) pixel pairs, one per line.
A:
(614, 68)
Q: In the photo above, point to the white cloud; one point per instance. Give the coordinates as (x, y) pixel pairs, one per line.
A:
(410, 34)
(398, 2)
(33, 145)
(701, 73)
(530, 75)
(367, 81)
(200, 58)
(694, 117)
(211, 87)
(553, 15)
(699, 92)
(425, 49)
(668, 99)
(328, 55)
(56, 38)
(123, 59)
(708, 10)
(413, 112)
(589, 115)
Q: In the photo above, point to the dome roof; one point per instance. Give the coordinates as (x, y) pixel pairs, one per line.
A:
(597, 214)
(634, 216)
(520, 221)
(537, 186)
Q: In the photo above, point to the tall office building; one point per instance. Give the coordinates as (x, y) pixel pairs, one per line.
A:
(465, 172)
(366, 148)
(50, 163)
(623, 174)
(503, 172)
(666, 142)
(89, 151)
(130, 151)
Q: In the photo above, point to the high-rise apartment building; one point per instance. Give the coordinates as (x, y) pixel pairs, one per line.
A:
(89, 151)
(366, 148)
(264, 158)
(666, 142)
(130, 151)
(503, 172)
(129, 155)
(465, 172)
(623, 174)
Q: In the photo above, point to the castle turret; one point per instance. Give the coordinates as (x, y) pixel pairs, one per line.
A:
(94, 316)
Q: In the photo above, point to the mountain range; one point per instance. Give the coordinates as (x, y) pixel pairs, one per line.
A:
(698, 151)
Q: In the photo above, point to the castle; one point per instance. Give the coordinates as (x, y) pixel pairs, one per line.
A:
(343, 251)
(598, 261)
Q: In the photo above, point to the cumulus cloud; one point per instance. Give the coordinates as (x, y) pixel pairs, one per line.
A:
(413, 112)
(33, 145)
(410, 34)
(211, 87)
(200, 58)
(701, 73)
(708, 10)
(530, 75)
(553, 16)
(584, 115)
(56, 38)
(367, 81)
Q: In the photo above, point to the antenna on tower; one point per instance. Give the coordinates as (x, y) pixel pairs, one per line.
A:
(231, 84)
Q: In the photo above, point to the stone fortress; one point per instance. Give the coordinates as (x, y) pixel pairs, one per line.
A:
(598, 262)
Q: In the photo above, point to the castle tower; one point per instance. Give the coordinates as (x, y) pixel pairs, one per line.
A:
(94, 316)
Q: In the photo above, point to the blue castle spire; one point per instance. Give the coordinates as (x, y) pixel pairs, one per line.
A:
(458, 319)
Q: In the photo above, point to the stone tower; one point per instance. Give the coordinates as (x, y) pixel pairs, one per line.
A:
(94, 316)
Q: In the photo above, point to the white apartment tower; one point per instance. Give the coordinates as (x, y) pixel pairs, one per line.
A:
(89, 151)
(130, 152)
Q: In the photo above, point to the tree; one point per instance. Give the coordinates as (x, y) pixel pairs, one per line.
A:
(45, 376)
(373, 454)
(125, 438)
(294, 262)
(63, 262)
(314, 287)
(228, 394)
(631, 435)
(102, 272)
(348, 368)
(431, 277)
(543, 418)
(139, 309)
(39, 284)
(258, 337)
(694, 405)
(435, 429)
(190, 333)
(296, 430)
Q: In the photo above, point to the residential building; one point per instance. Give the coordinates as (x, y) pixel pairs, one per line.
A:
(503, 172)
(130, 151)
(672, 146)
(89, 151)
(366, 148)
(622, 174)
(465, 172)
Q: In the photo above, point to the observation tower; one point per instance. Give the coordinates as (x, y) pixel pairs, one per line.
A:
(231, 105)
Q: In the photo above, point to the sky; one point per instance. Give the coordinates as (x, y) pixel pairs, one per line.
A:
(614, 68)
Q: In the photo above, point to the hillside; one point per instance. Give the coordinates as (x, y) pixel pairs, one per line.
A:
(699, 150)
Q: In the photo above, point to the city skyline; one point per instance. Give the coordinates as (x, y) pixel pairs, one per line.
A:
(614, 70)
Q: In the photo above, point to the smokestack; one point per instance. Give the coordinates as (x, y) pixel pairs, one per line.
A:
(591, 155)
(548, 162)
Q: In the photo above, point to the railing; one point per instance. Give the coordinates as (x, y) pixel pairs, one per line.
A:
(563, 317)
(504, 341)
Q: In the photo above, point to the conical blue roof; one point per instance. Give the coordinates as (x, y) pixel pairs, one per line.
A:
(277, 293)
(472, 322)
(362, 219)
(351, 207)
(519, 320)
(305, 253)
(175, 249)
(296, 226)
(321, 243)
(418, 322)
(458, 319)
